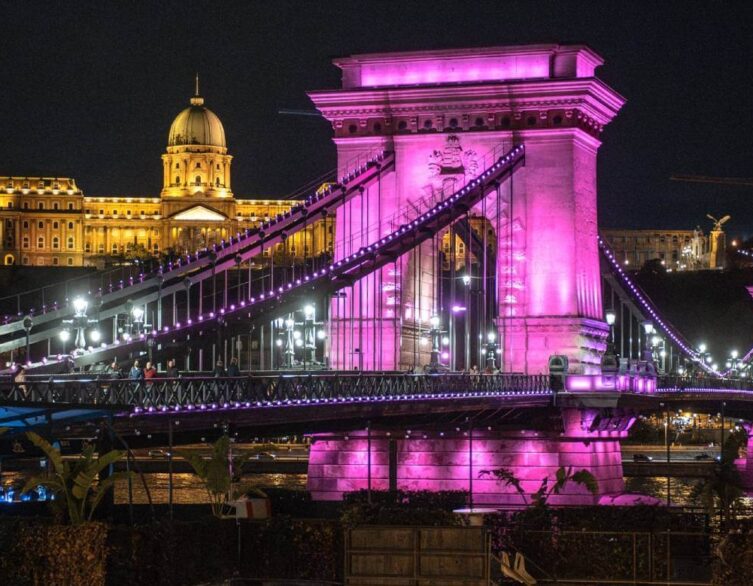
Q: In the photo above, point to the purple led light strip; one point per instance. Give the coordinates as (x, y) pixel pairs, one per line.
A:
(233, 242)
(648, 306)
(505, 162)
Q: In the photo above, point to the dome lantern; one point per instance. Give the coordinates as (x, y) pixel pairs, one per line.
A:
(197, 125)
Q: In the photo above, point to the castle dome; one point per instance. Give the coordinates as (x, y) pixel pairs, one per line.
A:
(197, 125)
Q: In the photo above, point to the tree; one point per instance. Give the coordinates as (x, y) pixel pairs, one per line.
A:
(722, 491)
(541, 496)
(215, 471)
(76, 482)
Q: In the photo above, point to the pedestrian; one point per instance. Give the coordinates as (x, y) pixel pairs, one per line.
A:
(219, 369)
(136, 374)
(172, 369)
(149, 371)
(113, 371)
(20, 379)
(232, 369)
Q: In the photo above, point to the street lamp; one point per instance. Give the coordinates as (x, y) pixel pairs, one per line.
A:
(490, 350)
(435, 335)
(648, 329)
(611, 318)
(79, 322)
(28, 324)
(609, 361)
(65, 335)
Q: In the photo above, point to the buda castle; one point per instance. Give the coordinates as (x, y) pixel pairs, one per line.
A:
(48, 221)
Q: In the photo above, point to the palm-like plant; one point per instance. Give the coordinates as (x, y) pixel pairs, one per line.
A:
(722, 490)
(541, 496)
(215, 471)
(76, 482)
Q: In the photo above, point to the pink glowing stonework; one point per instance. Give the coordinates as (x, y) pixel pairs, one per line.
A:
(339, 463)
(446, 115)
(443, 113)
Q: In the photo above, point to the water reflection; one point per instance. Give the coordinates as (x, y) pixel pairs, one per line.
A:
(188, 489)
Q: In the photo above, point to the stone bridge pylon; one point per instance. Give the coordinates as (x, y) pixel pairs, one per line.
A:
(445, 114)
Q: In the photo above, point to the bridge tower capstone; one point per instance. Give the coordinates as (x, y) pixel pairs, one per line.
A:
(443, 113)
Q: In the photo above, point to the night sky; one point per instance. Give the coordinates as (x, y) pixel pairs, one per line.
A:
(89, 89)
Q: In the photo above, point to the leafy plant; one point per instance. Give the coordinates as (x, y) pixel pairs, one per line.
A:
(722, 491)
(540, 497)
(76, 482)
(215, 471)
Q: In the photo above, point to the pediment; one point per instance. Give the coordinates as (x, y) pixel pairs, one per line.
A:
(199, 214)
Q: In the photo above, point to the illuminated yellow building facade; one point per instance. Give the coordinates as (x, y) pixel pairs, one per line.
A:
(48, 221)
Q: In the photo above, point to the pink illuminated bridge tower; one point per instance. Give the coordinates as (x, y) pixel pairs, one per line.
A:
(445, 114)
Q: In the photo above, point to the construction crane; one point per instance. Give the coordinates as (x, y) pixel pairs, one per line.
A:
(737, 181)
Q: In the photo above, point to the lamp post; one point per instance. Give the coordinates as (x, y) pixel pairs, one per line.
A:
(65, 335)
(609, 362)
(648, 329)
(289, 352)
(611, 318)
(28, 324)
(79, 322)
(734, 363)
(490, 350)
(435, 336)
(310, 334)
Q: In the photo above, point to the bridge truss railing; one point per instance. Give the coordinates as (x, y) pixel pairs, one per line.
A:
(635, 307)
(206, 393)
(172, 278)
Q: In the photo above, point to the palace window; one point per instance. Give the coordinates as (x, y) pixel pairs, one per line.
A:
(217, 182)
(88, 247)
(55, 205)
(128, 212)
(198, 166)
(70, 205)
(26, 185)
(55, 225)
(26, 205)
(218, 167)
(101, 249)
(177, 180)
(177, 165)
(55, 260)
(40, 185)
(26, 242)
(115, 249)
(40, 225)
(101, 212)
(70, 261)
(70, 225)
(155, 248)
(26, 260)
(40, 205)
(198, 180)
(26, 225)
(70, 242)
(114, 212)
(55, 243)
(40, 242)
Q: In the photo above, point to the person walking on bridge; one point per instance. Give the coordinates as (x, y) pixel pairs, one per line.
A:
(232, 369)
(172, 370)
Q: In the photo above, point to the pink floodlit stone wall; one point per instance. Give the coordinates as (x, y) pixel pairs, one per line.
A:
(339, 465)
(548, 276)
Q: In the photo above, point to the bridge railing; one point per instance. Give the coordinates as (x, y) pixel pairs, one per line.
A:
(202, 393)
(700, 384)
